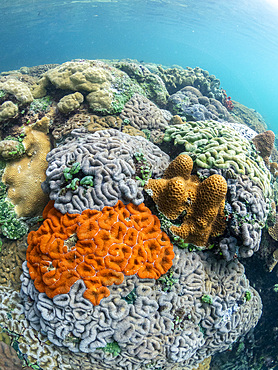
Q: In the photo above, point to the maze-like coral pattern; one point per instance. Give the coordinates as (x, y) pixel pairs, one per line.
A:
(99, 247)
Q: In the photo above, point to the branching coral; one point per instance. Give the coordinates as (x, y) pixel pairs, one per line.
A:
(98, 247)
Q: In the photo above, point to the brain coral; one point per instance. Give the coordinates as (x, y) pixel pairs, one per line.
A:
(107, 159)
(246, 211)
(99, 247)
(154, 327)
(143, 114)
(178, 192)
(214, 144)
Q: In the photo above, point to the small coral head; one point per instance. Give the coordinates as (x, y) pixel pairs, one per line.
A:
(99, 247)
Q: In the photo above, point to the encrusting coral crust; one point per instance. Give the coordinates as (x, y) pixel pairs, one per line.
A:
(25, 175)
(178, 191)
(98, 247)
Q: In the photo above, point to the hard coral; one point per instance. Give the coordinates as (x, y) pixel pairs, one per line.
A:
(264, 144)
(24, 176)
(99, 247)
(179, 192)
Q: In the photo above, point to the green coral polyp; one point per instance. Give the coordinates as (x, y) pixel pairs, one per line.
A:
(112, 348)
(87, 181)
(206, 299)
(248, 295)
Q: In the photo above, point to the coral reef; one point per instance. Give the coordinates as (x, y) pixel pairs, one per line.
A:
(176, 78)
(11, 148)
(9, 359)
(107, 88)
(246, 211)
(108, 157)
(249, 214)
(227, 101)
(99, 247)
(150, 82)
(173, 330)
(191, 104)
(273, 230)
(243, 130)
(203, 203)
(215, 144)
(120, 274)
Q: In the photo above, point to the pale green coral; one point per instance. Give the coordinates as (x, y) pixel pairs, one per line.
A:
(213, 144)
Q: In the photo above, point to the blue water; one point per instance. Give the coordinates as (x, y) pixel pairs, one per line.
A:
(235, 40)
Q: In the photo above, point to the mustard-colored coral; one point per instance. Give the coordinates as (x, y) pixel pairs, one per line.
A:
(24, 176)
(99, 247)
(273, 230)
(204, 365)
(8, 110)
(179, 192)
(70, 102)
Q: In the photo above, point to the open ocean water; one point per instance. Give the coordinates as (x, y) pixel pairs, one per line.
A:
(236, 41)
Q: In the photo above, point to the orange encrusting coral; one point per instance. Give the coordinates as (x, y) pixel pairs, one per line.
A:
(99, 247)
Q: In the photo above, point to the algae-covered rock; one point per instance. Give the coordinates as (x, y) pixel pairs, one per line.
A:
(8, 110)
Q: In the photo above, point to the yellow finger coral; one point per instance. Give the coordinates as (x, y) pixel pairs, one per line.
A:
(203, 203)
(99, 247)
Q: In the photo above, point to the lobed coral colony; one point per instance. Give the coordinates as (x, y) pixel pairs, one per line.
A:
(130, 194)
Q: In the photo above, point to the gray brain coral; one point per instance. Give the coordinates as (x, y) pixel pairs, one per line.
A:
(200, 307)
(190, 102)
(246, 212)
(91, 171)
(143, 114)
